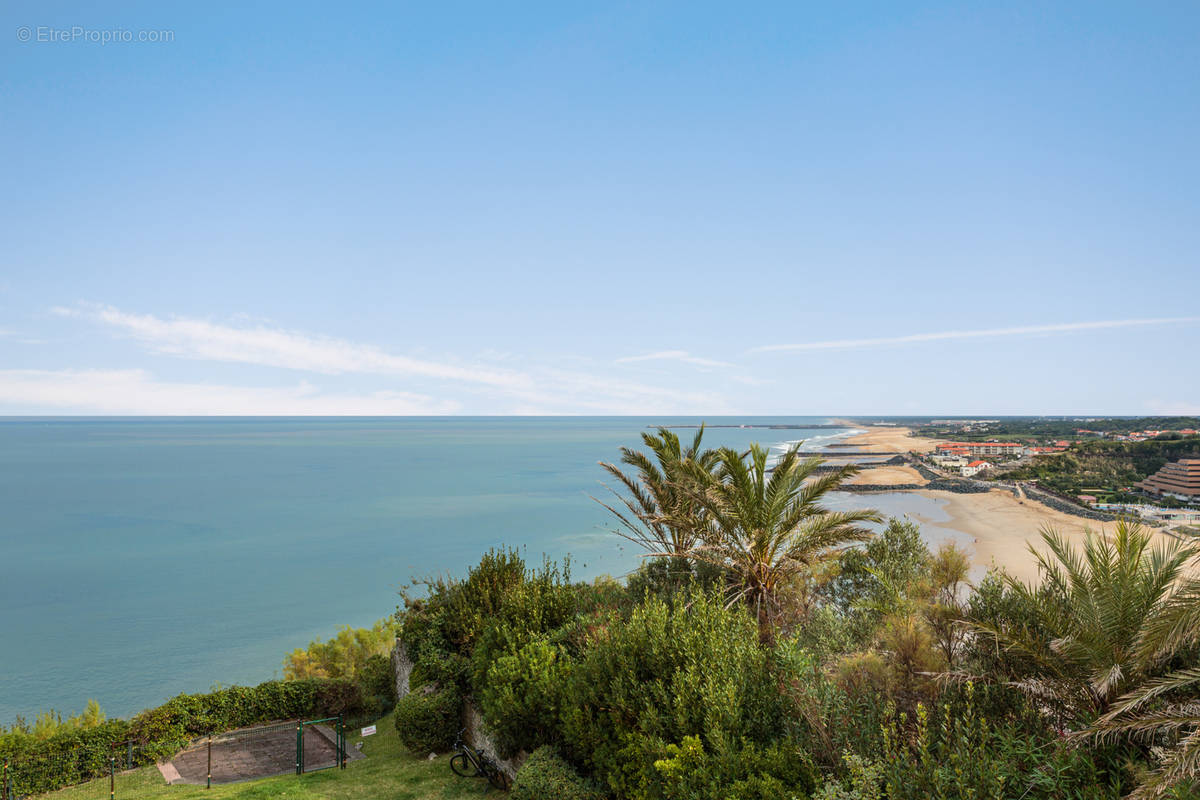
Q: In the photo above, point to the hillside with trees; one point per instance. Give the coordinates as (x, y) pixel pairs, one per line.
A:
(1105, 465)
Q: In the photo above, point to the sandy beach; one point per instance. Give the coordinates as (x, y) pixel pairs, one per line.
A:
(1001, 526)
(888, 439)
(888, 476)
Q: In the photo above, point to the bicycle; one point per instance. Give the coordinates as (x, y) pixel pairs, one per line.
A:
(471, 763)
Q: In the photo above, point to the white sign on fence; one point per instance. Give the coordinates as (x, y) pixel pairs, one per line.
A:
(369, 730)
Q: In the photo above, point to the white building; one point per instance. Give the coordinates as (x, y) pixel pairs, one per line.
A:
(974, 468)
(948, 462)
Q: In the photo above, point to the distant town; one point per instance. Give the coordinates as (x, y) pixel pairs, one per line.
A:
(1148, 467)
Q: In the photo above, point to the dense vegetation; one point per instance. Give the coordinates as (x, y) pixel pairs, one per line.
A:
(1105, 466)
(52, 752)
(761, 653)
(387, 773)
(1041, 428)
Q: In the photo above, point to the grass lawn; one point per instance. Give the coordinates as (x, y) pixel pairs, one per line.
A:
(387, 773)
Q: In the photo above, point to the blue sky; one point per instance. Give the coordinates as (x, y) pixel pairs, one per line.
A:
(590, 208)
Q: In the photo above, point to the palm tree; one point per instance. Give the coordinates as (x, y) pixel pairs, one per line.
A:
(768, 524)
(660, 512)
(1164, 711)
(1091, 616)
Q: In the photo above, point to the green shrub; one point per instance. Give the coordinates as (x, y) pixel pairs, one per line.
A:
(532, 609)
(665, 578)
(747, 772)
(69, 755)
(343, 656)
(520, 697)
(377, 683)
(183, 717)
(951, 751)
(545, 776)
(663, 675)
(472, 603)
(80, 753)
(443, 669)
(428, 721)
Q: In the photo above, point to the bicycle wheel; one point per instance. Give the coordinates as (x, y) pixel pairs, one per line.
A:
(462, 765)
(494, 775)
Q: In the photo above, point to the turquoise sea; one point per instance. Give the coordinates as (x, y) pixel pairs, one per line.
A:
(144, 557)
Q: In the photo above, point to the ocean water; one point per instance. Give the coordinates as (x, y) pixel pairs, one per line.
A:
(144, 557)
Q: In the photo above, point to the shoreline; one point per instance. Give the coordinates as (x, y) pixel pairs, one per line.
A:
(886, 439)
(1002, 527)
(998, 528)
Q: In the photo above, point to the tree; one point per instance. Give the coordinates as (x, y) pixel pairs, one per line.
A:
(1165, 711)
(948, 573)
(660, 511)
(344, 655)
(769, 526)
(1086, 626)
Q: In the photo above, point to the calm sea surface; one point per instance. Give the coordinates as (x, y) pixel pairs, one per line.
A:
(144, 557)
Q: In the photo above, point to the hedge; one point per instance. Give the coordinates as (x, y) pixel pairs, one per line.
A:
(74, 755)
(186, 716)
(545, 776)
(427, 721)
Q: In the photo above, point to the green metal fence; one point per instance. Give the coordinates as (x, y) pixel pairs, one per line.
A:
(91, 772)
(314, 748)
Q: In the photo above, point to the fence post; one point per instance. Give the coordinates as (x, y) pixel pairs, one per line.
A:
(112, 776)
(129, 754)
(4, 782)
(208, 785)
(299, 748)
(341, 743)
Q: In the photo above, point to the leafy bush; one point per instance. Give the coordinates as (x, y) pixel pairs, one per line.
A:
(186, 716)
(952, 751)
(79, 753)
(441, 668)
(69, 755)
(545, 776)
(667, 577)
(543, 602)
(520, 697)
(749, 772)
(427, 721)
(471, 604)
(377, 684)
(343, 656)
(660, 676)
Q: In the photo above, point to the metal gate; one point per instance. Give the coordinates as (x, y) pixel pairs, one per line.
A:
(320, 744)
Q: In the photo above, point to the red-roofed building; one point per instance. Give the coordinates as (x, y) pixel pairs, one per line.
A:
(982, 448)
(974, 468)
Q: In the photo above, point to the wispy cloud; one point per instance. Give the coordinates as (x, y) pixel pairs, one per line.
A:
(468, 387)
(19, 337)
(278, 347)
(917, 338)
(133, 391)
(674, 355)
